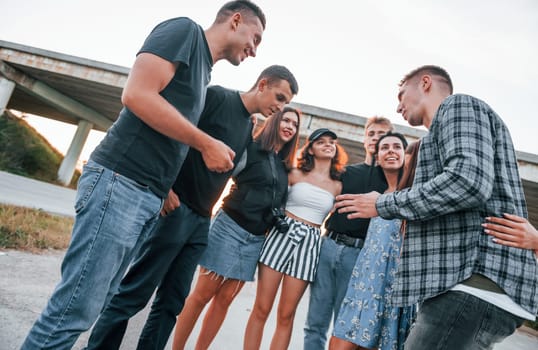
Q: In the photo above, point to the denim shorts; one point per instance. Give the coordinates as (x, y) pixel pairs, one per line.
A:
(232, 252)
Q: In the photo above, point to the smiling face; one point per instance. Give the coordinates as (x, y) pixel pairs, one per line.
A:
(272, 97)
(245, 39)
(390, 155)
(324, 147)
(288, 127)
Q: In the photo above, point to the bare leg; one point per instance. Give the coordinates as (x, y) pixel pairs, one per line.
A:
(217, 312)
(207, 286)
(339, 344)
(292, 292)
(268, 282)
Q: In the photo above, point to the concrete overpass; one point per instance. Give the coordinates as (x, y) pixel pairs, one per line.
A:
(87, 93)
(61, 87)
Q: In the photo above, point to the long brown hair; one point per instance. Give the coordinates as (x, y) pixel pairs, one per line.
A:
(305, 161)
(409, 166)
(269, 138)
(408, 174)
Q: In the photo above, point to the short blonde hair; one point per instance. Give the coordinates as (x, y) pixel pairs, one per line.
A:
(376, 119)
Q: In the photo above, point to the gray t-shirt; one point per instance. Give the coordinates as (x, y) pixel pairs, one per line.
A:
(132, 148)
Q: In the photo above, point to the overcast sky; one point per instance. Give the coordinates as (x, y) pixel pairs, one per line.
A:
(346, 55)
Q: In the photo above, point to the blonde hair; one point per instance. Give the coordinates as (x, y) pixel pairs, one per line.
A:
(376, 119)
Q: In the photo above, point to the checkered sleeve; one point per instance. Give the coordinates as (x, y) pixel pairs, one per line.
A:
(461, 136)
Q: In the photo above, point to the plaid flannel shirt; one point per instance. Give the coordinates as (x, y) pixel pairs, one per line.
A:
(467, 170)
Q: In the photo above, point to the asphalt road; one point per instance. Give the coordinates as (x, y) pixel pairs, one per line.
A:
(27, 280)
(25, 192)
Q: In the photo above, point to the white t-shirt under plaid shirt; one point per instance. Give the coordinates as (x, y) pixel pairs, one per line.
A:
(466, 171)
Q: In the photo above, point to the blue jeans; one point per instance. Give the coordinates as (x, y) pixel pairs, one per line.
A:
(457, 320)
(113, 214)
(335, 266)
(167, 260)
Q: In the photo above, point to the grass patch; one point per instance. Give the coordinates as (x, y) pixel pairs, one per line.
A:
(532, 324)
(33, 230)
(25, 152)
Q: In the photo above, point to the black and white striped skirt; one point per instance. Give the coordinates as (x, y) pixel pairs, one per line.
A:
(296, 252)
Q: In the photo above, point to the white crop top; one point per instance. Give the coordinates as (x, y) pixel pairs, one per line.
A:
(309, 202)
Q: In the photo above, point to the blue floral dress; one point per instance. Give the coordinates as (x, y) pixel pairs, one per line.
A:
(366, 317)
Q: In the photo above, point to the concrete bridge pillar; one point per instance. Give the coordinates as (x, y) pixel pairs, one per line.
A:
(6, 89)
(67, 168)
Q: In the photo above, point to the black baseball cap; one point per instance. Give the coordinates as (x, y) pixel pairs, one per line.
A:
(316, 134)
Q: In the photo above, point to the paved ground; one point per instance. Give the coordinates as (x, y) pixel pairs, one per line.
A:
(27, 280)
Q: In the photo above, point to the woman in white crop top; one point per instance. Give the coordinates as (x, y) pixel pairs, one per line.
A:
(291, 250)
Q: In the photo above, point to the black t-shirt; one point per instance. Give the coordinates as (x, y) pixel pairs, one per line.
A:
(134, 149)
(358, 178)
(225, 118)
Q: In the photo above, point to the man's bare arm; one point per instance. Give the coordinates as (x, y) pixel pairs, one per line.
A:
(148, 77)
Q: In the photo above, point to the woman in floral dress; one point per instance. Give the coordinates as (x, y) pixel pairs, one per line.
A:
(366, 320)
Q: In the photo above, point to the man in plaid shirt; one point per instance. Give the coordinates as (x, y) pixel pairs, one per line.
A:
(473, 291)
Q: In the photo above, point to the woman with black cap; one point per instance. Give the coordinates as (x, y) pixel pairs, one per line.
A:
(290, 252)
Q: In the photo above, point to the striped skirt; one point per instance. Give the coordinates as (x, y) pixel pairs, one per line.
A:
(295, 253)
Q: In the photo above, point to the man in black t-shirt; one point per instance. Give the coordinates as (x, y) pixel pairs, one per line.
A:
(344, 240)
(169, 257)
(121, 190)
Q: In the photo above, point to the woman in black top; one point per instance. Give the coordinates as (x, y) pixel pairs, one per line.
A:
(238, 230)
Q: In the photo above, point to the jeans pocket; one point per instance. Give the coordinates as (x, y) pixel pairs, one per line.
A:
(86, 184)
(128, 185)
(496, 325)
(126, 180)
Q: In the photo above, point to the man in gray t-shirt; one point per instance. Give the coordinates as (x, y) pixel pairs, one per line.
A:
(121, 190)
